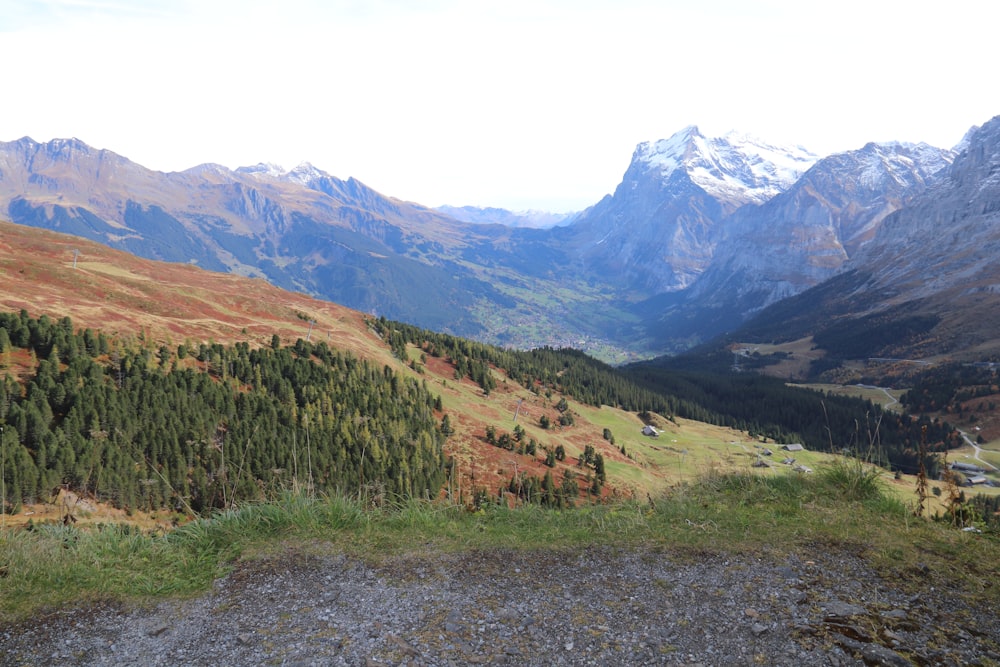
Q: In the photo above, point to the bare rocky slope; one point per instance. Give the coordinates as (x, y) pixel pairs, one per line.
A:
(314, 606)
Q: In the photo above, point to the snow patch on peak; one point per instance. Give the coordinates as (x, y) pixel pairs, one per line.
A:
(263, 169)
(736, 166)
(900, 162)
(668, 154)
(304, 174)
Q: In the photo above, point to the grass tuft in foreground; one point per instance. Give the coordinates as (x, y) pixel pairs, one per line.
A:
(842, 506)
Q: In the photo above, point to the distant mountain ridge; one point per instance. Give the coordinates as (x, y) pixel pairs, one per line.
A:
(700, 234)
(303, 230)
(501, 216)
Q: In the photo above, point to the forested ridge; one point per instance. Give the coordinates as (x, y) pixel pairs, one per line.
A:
(544, 369)
(949, 387)
(196, 429)
(761, 405)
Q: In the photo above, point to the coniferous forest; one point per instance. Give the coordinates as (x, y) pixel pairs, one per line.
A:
(196, 429)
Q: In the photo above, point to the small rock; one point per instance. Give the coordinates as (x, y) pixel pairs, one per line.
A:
(836, 609)
(874, 654)
(896, 615)
(159, 630)
(403, 646)
(759, 629)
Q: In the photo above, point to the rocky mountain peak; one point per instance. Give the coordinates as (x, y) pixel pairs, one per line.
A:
(304, 174)
(735, 167)
(894, 164)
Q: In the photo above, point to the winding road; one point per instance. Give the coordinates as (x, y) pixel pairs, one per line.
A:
(892, 399)
(969, 441)
(972, 443)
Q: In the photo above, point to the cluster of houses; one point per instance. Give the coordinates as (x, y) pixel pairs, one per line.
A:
(788, 460)
(973, 473)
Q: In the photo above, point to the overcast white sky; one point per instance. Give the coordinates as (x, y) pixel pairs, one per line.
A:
(514, 103)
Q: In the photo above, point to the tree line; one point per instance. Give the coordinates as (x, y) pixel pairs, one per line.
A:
(544, 370)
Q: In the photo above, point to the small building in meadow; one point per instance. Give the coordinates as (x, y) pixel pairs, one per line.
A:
(793, 447)
(650, 431)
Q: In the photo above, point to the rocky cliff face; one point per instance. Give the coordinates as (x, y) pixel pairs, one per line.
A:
(949, 238)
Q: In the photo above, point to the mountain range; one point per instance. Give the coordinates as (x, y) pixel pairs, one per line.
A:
(702, 236)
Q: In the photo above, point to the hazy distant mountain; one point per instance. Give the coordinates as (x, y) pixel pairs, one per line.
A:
(302, 229)
(501, 216)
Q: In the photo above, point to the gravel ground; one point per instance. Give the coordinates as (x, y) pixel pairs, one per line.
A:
(597, 607)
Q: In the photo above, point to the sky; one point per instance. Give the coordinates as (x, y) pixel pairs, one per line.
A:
(520, 104)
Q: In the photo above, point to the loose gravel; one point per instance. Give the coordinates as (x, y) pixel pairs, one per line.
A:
(595, 607)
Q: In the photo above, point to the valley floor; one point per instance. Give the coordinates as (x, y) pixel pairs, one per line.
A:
(311, 604)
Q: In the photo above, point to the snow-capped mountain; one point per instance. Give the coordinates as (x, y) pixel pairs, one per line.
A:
(659, 229)
(950, 237)
(734, 168)
(805, 235)
(800, 237)
(264, 169)
(303, 174)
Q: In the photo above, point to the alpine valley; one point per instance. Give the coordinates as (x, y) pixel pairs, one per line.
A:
(703, 237)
